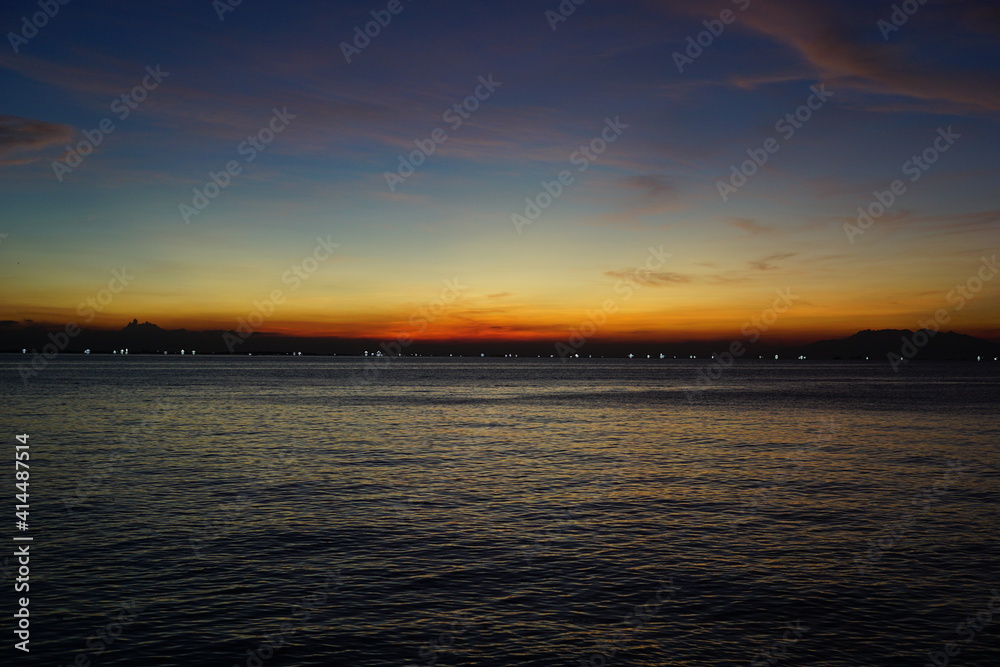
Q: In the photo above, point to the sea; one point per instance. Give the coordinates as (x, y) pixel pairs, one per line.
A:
(409, 511)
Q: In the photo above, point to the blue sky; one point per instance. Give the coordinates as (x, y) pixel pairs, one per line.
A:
(656, 185)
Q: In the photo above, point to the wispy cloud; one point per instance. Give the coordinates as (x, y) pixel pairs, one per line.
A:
(838, 47)
(749, 225)
(770, 262)
(650, 278)
(19, 135)
(650, 185)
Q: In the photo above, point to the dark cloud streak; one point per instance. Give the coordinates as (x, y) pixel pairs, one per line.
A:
(27, 134)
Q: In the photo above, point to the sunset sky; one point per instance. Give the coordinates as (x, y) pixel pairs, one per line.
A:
(888, 95)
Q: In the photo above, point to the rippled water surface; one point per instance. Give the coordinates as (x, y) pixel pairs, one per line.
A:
(335, 511)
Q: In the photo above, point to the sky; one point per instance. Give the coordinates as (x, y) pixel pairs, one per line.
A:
(634, 170)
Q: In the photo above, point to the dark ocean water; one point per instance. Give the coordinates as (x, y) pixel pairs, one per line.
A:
(298, 511)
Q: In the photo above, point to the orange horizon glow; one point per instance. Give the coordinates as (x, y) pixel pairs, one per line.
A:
(634, 329)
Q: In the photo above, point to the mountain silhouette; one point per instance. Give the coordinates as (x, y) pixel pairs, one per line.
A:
(922, 344)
